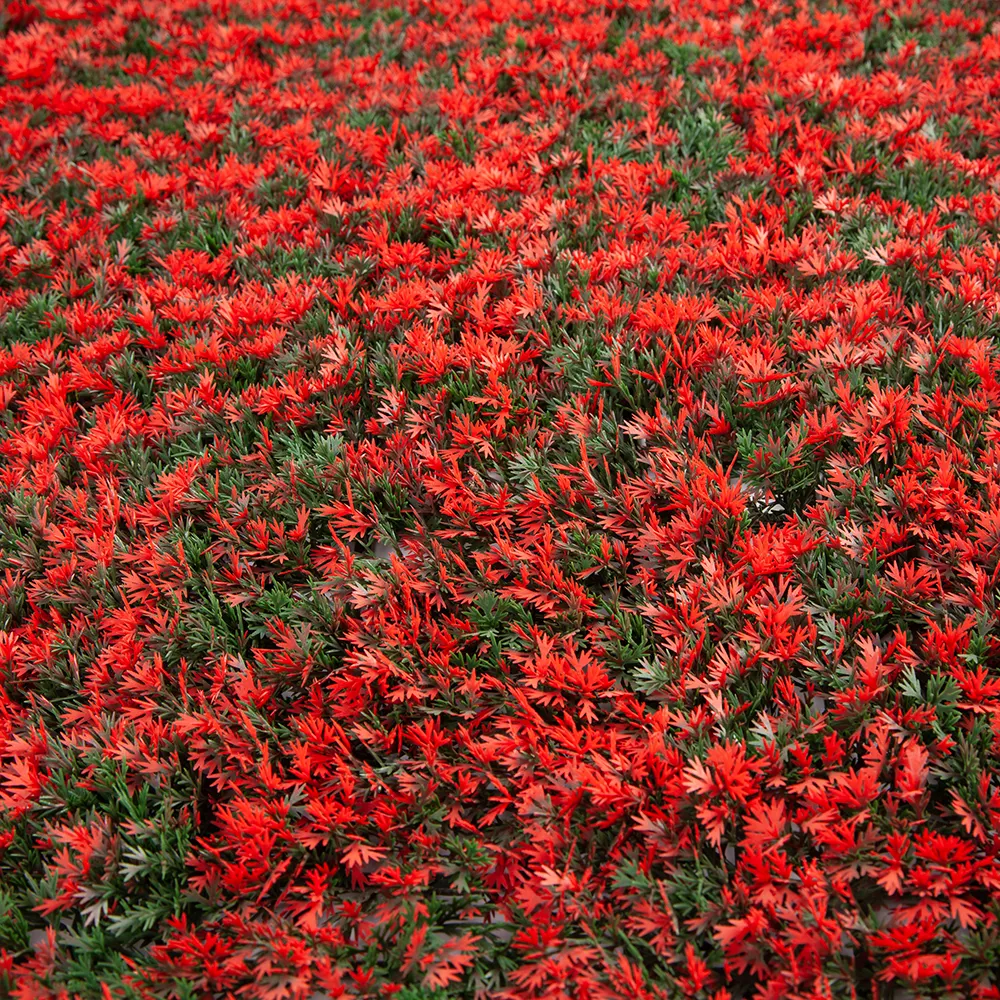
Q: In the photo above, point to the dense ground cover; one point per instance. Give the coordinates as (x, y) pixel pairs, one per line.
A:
(500, 499)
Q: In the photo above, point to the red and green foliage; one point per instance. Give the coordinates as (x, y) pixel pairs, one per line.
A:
(500, 499)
